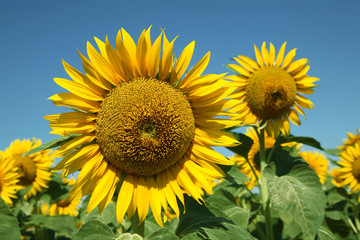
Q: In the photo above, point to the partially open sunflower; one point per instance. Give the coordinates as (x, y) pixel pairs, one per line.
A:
(271, 88)
(142, 124)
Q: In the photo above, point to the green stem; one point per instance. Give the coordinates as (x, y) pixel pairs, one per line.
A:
(263, 187)
(136, 226)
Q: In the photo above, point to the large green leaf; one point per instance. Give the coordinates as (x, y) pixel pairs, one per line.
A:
(94, 230)
(234, 175)
(9, 226)
(207, 224)
(52, 144)
(298, 199)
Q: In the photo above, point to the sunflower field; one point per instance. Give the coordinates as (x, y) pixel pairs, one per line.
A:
(137, 152)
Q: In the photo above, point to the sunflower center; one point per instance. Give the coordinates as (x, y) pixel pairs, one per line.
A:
(270, 92)
(63, 203)
(144, 126)
(27, 169)
(356, 169)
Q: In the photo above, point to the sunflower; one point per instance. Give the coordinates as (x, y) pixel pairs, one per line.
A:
(34, 169)
(243, 165)
(142, 126)
(65, 206)
(351, 140)
(270, 89)
(350, 170)
(336, 181)
(318, 162)
(9, 177)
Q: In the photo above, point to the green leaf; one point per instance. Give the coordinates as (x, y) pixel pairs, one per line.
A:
(51, 144)
(234, 175)
(325, 234)
(304, 140)
(238, 215)
(206, 223)
(298, 199)
(245, 146)
(63, 225)
(94, 230)
(162, 234)
(333, 151)
(9, 225)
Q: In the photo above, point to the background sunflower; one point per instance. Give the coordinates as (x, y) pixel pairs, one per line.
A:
(34, 169)
(9, 177)
(271, 88)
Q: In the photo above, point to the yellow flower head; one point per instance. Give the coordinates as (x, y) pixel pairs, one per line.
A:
(350, 170)
(34, 169)
(270, 88)
(318, 162)
(9, 177)
(142, 118)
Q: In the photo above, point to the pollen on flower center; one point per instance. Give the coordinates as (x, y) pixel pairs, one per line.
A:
(27, 170)
(270, 92)
(144, 126)
(356, 169)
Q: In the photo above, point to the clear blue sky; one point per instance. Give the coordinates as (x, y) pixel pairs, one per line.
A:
(37, 35)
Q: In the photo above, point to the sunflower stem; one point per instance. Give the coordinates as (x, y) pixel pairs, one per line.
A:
(138, 227)
(263, 187)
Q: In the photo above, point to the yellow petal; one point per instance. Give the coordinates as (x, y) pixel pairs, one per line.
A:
(78, 89)
(143, 199)
(280, 55)
(288, 59)
(125, 196)
(297, 64)
(265, 54)
(272, 55)
(198, 69)
(72, 100)
(102, 65)
(166, 61)
(239, 69)
(182, 63)
(259, 58)
(153, 60)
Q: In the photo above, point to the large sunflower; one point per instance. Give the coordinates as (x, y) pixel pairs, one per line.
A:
(9, 177)
(141, 127)
(318, 162)
(65, 206)
(244, 166)
(350, 162)
(270, 88)
(34, 169)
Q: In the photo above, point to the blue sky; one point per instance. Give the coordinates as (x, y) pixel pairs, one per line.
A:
(37, 35)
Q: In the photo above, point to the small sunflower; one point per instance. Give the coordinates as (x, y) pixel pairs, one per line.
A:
(318, 162)
(65, 206)
(350, 162)
(270, 88)
(34, 169)
(336, 181)
(243, 165)
(142, 126)
(351, 140)
(9, 177)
